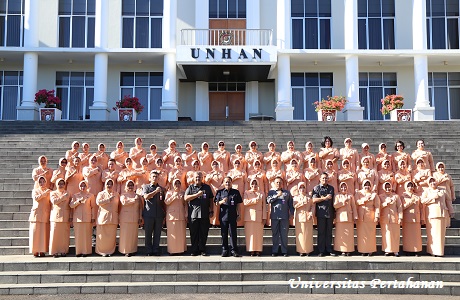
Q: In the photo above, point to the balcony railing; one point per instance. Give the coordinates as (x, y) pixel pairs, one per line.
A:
(226, 37)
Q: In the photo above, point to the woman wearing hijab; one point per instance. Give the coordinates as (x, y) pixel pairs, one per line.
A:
(293, 177)
(111, 173)
(391, 214)
(59, 220)
(152, 157)
(368, 208)
(102, 157)
(59, 173)
(162, 174)
(107, 220)
(92, 175)
(84, 215)
(137, 152)
(130, 217)
(382, 156)
(402, 176)
(39, 219)
(444, 180)
(190, 177)
(74, 176)
(252, 155)
(144, 178)
(427, 157)
(345, 217)
(119, 155)
(176, 212)
(400, 155)
(365, 153)
(222, 156)
(214, 179)
(348, 175)
(84, 155)
(350, 154)
(434, 200)
(72, 153)
(129, 173)
(332, 176)
(205, 158)
(177, 172)
(327, 152)
(238, 155)
(304, 212)
(42, 171)
(258, 173)
(386, 175)
(169, 154)
(308, 154)
(367, 173)
(270, 155)
(290, 154)
(412, 219)
(189, 156)
(254, 218)
(239, 179)
(420, 176)
(312, 174)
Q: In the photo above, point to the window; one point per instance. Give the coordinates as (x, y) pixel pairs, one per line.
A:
(10, 93)
(148, 87)
(227, 9)
(376, 24)
(11, 23)
(76, 23)
(442, 24)
(227, 86)
(444, 94)
(76, 91)
(372, 88)
(311, 24)
(308, 88)
(142, 23)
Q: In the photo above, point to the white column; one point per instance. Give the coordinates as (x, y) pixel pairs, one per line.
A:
(353, 111)
(419, 24)
(28, 110)
(253, 21)
(252, 99)
(284, 109)
(201, 21)
(283, 34)
(202, 101)
(99, 111)
(422, 109)
(350, 25)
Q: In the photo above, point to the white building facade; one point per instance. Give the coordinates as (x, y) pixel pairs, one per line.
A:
(230, 59)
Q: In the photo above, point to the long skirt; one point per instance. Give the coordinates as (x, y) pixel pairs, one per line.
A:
(106, 239)
(344, 240)
(367, 242)
(254, 233)
(59, 237)
(304, 237)
(39, 237)
(436, 234)
(412, 237)
(128, 238)
(390, 237)
(176, 236)
(83, 237)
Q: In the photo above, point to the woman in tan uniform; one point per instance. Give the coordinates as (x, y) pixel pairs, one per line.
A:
(252, 155)
(312, 174)
(332, 176)
(205, 158)
(59, 173)
(107, 220)
(239, 179)
(254, 218)
(73, 177)
(223, 157)
(129, 173)
(111, 173)
(176, 218)
(348, 175)
(345, 217)
(42, 170)
(169, 154)
(402, 176)
(444, 181)
(368, 208)
(327, 152)
(386, 175)
(152, 157)
(308, 154)
(412, 219)
(177, 172)
(189, 156)
(137, 152)
(84, 216)
(367, 173)
(72, 153)
(427, 157)
(290, 154)
(119, 155)
(39, 219)
(238, 155)
(400, 155)
(92, 175)
(304, 212)
(84, 155)
(190, 177)
(420, 176)
(270, 155)
(214, 179)
(350, 154)
(102, 157)
(365, 153)
(162, 174)
(391, 214)
(144, 178)
(293, 177)
(59, 220)
(382, 156)
(258, 173)
(130, 217)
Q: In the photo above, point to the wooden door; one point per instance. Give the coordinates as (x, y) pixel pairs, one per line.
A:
(219, 35)
(222, 102)
(217, 105)
(235, 102)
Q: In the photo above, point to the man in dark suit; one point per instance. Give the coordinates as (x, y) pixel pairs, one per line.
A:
(199, 198)
(229, 201)
(281, 208)
(323, 196)
(153, 214)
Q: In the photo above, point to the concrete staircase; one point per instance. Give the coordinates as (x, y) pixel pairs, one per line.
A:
(22, 142)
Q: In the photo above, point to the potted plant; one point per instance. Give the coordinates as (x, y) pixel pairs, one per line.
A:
(48, 105)
(128, 108)
(392, 104)
(327, 108)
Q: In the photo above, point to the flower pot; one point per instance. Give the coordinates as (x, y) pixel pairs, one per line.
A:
(327, 115)
(127, 114)
(401, 115)
(50, 114)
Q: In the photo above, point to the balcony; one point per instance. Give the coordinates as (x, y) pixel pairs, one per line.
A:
(227, 37)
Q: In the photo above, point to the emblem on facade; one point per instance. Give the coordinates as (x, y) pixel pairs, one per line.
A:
(226, 38)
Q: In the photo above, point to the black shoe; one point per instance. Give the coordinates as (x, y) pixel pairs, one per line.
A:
(56, 255)
(151, 254)
(156, 254)
(387, 254)
(332, 254)
(321, 254)
(274, 254)
(224, 253)
(302, 254)
(84, 255)
(193, 254)
(344, 254)
(128, 254)
(204, 253)
(79, 255)
(285, 255)
(397, 254)
(235, 254)
(258, 253)
(106, 255)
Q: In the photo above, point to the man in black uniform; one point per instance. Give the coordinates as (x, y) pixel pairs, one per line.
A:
(199, 197)
(153, 214)
(323, 196)
(229, 201)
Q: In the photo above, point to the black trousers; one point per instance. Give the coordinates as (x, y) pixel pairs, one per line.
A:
(324, 234)
(280, 229)
(199, 229)
(224, 226)
(152, 226)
